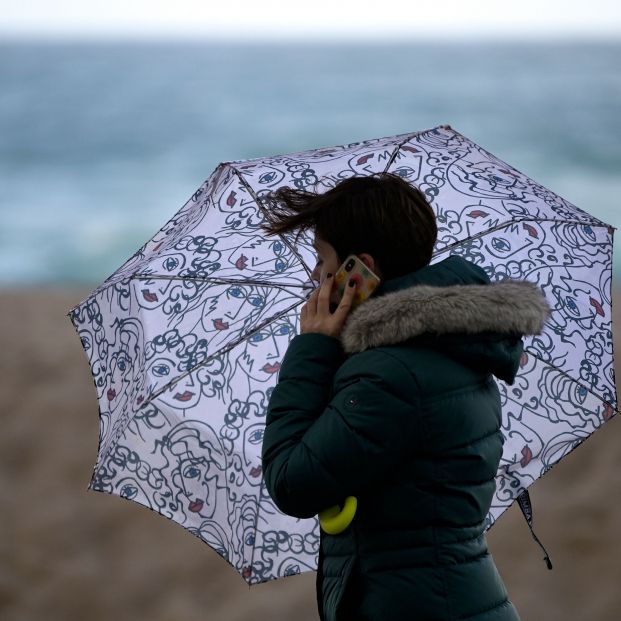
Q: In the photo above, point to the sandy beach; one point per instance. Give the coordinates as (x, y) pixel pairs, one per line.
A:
(68, 553)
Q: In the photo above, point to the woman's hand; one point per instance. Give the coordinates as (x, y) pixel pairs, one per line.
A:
(316, 316)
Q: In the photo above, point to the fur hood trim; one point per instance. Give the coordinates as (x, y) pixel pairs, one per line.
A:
(510, 306)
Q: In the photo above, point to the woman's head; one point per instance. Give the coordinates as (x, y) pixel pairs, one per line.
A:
(380, 218)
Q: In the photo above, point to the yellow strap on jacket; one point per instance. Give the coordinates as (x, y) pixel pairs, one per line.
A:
(335, 520)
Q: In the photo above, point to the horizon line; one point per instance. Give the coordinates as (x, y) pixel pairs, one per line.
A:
(205, 36)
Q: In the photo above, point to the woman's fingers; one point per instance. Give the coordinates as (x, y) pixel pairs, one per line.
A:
(346, 300)
(324, 293)
(312, 301)
(324, 321)
(319, 300)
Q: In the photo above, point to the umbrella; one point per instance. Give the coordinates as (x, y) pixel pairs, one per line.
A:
(184, 340)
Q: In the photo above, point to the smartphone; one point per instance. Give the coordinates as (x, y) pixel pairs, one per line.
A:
(366, 282)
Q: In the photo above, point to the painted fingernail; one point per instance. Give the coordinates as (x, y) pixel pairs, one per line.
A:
(352, 283)
(329, 275)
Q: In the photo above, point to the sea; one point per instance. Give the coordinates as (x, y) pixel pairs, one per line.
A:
(102, 142)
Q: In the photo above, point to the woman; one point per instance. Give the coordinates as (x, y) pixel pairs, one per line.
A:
(396, 403)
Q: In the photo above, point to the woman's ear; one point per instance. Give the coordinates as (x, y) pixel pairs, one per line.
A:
(369, 261)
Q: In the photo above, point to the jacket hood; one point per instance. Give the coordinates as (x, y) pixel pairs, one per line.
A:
(453, 306)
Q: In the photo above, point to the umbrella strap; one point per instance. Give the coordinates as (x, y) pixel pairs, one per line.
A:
(527, 509)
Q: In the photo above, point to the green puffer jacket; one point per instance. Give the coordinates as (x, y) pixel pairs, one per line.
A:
(403, 412)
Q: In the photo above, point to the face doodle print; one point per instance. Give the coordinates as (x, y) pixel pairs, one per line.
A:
(186, 338)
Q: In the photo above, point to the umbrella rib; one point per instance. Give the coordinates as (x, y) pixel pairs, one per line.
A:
(222, 281)
(256, 523)
(398, 148)
(503, 225)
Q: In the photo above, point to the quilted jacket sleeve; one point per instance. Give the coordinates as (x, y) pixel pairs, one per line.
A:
(317, 450)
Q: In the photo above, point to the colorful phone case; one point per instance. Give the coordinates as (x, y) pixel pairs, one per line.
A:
(366, 281)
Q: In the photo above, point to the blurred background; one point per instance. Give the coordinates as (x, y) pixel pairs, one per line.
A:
(113, 113)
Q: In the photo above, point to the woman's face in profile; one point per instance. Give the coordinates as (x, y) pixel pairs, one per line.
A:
(327, 260)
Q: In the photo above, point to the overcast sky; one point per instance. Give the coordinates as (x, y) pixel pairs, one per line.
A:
(409, 19)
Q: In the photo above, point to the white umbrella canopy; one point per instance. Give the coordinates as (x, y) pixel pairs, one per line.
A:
(185, 339)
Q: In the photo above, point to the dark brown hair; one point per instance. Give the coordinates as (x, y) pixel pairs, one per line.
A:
(381, 214)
